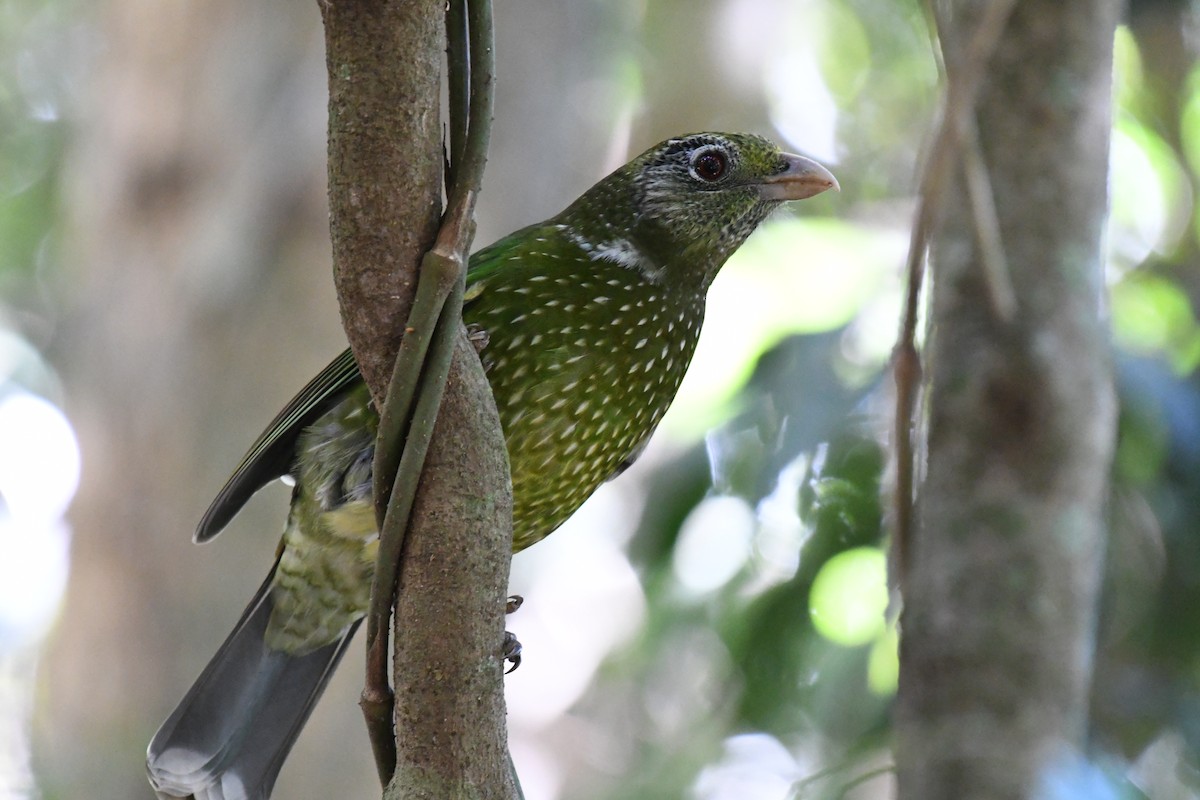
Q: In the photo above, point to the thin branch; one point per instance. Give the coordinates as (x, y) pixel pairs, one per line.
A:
(467, 180)
(869, 775)
(459, 60)
(812, 785)
(963, 81)
(1001, 295)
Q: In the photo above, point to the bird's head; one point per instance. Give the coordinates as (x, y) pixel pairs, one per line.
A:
(681, 208)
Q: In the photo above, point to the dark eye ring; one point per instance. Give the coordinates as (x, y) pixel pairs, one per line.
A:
(710, 165)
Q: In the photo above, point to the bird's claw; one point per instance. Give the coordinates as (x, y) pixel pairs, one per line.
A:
(478, 337)
(511, 650)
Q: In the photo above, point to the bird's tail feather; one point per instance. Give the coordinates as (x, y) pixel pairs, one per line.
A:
(230, 735)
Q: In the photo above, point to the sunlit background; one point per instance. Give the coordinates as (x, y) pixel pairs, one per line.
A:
(710, 626)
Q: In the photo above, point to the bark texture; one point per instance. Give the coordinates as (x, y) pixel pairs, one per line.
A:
(385, 165)
(1001, 594)
(450, 713)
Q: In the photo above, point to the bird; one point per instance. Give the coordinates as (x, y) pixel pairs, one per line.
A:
(585, 324)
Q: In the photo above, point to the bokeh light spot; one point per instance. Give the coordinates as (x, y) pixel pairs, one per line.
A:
(755, 766)
(714, 543)
(792, 276)
(849, 597)
(39, 463)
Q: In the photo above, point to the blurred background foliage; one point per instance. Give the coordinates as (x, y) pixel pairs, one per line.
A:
(713, 624)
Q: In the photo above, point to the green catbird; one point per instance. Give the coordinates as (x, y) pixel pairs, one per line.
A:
(586, 321)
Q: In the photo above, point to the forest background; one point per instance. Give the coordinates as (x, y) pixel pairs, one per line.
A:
(165, 288)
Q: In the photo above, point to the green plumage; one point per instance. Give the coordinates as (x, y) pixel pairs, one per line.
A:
(587, 323)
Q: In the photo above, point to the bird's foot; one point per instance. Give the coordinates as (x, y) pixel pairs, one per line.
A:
(478, 337)
(511, 649)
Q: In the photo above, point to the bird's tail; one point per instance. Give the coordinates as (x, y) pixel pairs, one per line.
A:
(230, 735)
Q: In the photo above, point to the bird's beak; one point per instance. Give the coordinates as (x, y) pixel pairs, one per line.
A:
(803, 178)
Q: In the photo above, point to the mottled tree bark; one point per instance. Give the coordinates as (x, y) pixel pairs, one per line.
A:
(385, 164)
(1000, 596)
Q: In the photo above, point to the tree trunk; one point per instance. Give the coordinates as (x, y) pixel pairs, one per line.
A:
(385, 164)
(1000, 597)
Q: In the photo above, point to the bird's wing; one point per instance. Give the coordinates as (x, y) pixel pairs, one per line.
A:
(518, 250)
(271, 455)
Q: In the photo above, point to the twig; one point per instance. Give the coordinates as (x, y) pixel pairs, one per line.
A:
(1001, 295)
(467, 179)
(963, 81)
(459, 90)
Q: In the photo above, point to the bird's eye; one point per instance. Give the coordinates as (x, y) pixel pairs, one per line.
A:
(710, 165)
